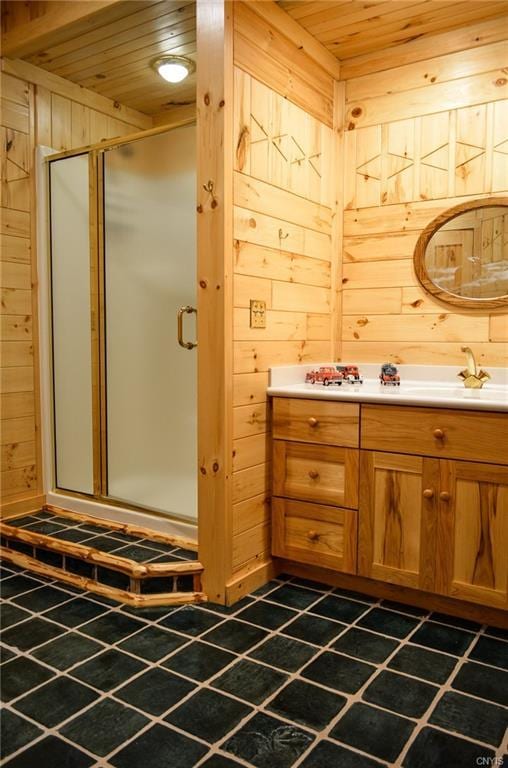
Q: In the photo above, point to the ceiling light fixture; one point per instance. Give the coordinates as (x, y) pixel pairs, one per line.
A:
(174, 69)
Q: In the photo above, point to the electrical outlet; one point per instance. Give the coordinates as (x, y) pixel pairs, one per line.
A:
(257, 313)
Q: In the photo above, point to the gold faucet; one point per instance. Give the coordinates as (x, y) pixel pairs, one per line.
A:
(472, 379)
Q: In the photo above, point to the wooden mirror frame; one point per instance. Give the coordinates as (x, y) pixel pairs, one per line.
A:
(421, 246)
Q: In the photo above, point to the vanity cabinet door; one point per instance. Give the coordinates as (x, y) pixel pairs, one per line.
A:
(472, 552)
(398, 518)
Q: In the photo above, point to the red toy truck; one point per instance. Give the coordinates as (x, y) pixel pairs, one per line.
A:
(334, 374)
(389, 375)
(325, 375)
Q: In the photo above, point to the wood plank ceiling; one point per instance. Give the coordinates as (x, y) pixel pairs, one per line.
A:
(113, 59)
(113, 56)
(349, 28)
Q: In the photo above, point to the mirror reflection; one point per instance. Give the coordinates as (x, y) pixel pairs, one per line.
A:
(468, 255)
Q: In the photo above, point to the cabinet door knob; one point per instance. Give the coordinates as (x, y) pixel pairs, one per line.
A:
(444, 496)
(313, 535)
(428, 493)
(438, 434)
(313, 422)
(313, 474)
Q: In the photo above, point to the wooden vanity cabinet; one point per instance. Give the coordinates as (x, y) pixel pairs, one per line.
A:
(397, 525)
(315, 482)
(322, 473)
(436, 525)
(314, 534)
(471, 561)
(316, 421)
(440, 432)
(416, 497)
(433, 523)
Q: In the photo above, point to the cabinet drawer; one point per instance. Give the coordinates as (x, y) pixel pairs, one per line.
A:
(313, 533)
(321, 473)
(435, 432)
(316, 421)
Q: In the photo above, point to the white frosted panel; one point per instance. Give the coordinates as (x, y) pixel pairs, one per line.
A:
(150, 271)
(72, 361)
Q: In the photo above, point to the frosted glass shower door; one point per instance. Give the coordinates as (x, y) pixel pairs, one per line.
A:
(150, 272)
(71, 323)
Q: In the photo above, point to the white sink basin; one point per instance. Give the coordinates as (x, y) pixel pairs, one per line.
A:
(434, 386)
(450, 390)
(491, 393)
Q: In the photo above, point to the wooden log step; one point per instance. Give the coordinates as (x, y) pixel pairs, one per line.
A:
(97, 557)
(131, 564)
(127, 528)
(131, 597)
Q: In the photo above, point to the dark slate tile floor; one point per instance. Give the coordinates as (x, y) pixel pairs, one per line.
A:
(296, 675)
(137, 548)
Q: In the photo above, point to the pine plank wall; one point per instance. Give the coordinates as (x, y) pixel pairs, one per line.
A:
(284, 232)
(423, 137)
(34, 114)
(419, 137)
(333, 258)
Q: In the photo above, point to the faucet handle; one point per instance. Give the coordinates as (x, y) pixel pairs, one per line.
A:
(472, 377)
(471, 362)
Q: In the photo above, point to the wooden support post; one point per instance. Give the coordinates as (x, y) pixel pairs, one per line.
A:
(215, 263)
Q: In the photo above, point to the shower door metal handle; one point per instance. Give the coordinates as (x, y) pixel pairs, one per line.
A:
(187, 310)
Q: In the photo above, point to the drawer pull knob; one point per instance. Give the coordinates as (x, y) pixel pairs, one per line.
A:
(313, 474)
(428, 493)
(444, 496)
(313, 422)
(313, 535)
(438, 434)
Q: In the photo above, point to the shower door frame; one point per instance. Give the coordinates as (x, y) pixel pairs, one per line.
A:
(96, 154)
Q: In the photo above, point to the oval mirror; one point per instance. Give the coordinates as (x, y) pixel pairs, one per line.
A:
(462, 256)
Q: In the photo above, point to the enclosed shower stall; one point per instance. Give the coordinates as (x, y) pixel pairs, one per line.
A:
(122, 245)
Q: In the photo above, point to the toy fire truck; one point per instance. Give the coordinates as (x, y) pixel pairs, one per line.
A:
(350, 373)
(334, 374)
(389, 375)
(325, 375)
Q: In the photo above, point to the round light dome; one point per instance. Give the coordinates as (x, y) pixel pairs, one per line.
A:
(173, 69)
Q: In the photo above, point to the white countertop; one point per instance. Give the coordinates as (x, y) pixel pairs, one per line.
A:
(433, 386)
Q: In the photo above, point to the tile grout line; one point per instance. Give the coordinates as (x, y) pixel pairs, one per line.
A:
(237, 616)
(238, 657)
(444, 688)
(356, 697)
(155, 665)
(105, 694)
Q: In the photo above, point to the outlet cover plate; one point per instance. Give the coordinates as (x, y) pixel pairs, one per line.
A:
(257, 313)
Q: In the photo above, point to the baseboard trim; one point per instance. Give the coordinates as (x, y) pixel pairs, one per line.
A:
(483, 614)
(22, 506)
(242, 584)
